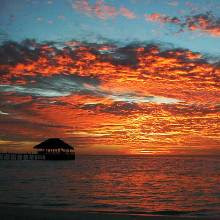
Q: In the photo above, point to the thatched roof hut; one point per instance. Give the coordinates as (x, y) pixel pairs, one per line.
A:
(53, 144)
(55, 149)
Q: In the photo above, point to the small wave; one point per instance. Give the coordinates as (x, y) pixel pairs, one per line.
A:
(206, 212)
(14, 203)
(165, 213)
(104, 206)
(56, 204)
(171, 212)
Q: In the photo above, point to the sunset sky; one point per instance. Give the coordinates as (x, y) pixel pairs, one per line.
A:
(110, 76)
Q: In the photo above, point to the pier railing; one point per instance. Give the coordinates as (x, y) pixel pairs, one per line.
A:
(21, 156)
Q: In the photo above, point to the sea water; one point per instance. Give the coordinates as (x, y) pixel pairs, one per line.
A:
(186, 185)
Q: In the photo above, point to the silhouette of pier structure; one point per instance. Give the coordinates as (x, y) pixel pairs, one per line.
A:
(21, 156)
(51, 149)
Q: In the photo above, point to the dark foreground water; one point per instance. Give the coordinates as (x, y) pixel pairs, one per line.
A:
(143, 185)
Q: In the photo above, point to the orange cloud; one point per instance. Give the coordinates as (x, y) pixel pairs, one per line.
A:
(205, 23)
(127, 13)
(129, 128)
(132, 99)
(156, 17)
(101, 10)
(178, 74)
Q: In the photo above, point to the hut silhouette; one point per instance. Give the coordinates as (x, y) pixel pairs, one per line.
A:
(55, 149)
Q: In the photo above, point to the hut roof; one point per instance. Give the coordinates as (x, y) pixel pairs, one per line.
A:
(53, 143)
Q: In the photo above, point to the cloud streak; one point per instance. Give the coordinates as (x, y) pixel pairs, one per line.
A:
(205, 23)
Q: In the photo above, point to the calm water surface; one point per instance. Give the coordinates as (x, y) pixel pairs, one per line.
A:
(166, 185)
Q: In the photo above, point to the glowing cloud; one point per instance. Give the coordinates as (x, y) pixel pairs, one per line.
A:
(127, 13)
(133, 99)
(101, 10)
(205, 23)
(155, 17)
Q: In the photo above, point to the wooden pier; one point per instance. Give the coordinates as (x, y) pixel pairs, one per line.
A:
(21, 156)
(51, 149)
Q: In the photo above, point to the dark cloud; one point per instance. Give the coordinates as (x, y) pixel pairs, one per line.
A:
(178, 109)
(125, 56)
(55, 86)
(12, 52)
(116, 108)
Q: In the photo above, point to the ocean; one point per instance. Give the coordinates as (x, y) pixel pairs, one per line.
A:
(167, 185)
